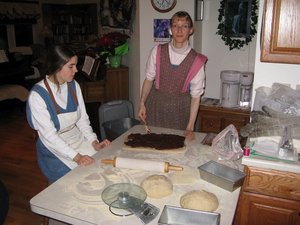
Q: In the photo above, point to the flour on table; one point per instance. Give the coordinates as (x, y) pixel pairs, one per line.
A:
(188, 175)
(89, 188)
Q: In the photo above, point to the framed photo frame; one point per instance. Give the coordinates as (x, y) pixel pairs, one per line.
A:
(161, 30)
(237, 18)
(199, 10)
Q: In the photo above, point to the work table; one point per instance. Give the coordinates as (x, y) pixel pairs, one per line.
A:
(76, 197)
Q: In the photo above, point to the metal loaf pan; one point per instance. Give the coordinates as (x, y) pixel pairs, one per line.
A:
(180, 216)
(221, 175)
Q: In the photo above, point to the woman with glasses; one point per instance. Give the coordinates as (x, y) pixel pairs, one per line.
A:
(174, 80)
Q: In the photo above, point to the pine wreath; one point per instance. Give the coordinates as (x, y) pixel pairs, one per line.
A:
(234, 42)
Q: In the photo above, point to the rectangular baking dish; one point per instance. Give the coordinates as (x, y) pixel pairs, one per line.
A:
(221, 175)
(180, 216)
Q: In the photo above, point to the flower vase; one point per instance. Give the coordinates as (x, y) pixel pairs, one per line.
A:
(115, 61)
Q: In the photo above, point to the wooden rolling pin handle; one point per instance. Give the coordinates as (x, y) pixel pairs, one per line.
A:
(109, 161)
(169, 167)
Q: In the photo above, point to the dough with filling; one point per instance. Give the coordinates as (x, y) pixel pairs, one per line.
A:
(199, 200)
(157, 186)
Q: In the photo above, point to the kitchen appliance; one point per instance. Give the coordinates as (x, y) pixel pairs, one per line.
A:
(246, 80)
(125, 199)
(230, 88)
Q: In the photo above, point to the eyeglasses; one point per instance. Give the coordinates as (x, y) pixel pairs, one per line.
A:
(183, 27)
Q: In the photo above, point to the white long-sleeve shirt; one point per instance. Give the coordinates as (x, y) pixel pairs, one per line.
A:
(197, 84)
(43, 123)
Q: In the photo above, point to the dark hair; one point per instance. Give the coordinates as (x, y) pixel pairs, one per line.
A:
(183, 14)
(57, 57)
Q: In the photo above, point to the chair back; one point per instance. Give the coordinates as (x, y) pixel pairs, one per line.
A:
(114, 110)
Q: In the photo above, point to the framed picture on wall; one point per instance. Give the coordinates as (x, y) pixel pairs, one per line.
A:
(161, 30)
(117, 13)
(237, 18)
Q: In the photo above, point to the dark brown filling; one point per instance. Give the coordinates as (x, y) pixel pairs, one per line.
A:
(156, 141)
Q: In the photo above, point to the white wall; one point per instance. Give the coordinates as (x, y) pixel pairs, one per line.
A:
(219, 56)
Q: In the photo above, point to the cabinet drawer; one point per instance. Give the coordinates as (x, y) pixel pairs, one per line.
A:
(210, 124)
(272, 182)
(94, 91)
(214, 118)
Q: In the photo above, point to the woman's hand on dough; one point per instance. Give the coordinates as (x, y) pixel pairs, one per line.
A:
(99, 145)
(83, 160)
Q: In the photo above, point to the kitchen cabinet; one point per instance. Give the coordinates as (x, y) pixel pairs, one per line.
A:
(280, 41)
(269, 197)
(213, 118)
(113, 87)
(116, 86)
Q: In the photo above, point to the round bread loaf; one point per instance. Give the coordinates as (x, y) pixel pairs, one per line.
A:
(199, 200)
(157, 186)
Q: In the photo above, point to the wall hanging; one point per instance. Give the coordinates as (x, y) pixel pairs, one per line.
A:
(117, 13)
(237, 22)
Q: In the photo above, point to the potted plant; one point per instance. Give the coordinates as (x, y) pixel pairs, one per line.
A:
(113, 46)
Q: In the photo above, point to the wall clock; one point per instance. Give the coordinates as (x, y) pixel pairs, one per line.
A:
(163, 5)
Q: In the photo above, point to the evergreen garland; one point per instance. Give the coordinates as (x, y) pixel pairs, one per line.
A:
(237, 42)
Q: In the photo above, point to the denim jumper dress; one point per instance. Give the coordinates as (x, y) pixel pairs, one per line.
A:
(52, 165)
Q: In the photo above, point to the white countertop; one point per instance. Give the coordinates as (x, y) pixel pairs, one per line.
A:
(76, 197)
(267, 163)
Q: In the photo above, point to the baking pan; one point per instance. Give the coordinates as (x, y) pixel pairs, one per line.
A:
(221, 175)
(174, 215)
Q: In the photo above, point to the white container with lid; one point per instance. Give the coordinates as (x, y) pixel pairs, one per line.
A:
(230, 88)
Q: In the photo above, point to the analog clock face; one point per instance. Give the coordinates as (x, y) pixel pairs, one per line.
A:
(163, 5)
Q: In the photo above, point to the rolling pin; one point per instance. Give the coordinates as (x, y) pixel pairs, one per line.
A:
(141, 164)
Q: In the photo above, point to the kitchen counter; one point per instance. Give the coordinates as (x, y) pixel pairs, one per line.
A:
(76, 197)
(267, 163)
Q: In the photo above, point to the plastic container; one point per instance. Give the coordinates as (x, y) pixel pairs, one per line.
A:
(115, 128)
(230, 87)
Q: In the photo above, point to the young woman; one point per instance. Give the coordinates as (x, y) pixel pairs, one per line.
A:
(56, 110)
(174, 81)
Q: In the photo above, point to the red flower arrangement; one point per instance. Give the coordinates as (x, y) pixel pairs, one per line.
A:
(113, 44)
